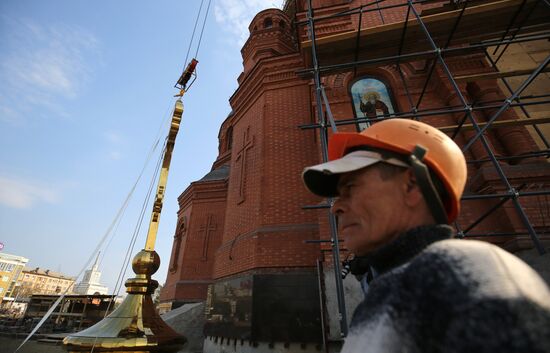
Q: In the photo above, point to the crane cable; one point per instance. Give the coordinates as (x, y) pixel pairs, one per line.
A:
(133, 239)
(193, 34)
(137, 228)
(194, 30)
(114, 224)
(165, 123)
(202, 30)
(132, 243)
(125, 204)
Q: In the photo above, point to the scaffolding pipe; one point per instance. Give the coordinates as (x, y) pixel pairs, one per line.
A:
(398, 64)
(503, 234)
(510, 25)
(314, 207)
(513, 194)
(490, 211)
(437, 53)
(508, 102)
(545, 153)
(517, 30)
(503, 177)
(324, 149)
(510, 90)
(424, 113)
(425, 53)
(461, 124)
(433, 61)
(358, 9)
(357, 42)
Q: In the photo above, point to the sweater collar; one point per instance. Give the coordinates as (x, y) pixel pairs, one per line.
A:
(406, 246)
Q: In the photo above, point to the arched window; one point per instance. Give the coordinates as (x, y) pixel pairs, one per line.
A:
(182, 227)
(229, 138)
(372, 99)
(268, 22)
(282, 24)
(181, 231)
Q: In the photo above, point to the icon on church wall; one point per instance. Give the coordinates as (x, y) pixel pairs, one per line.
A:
(371, 99)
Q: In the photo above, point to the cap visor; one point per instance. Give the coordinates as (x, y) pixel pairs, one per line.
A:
(322, 179)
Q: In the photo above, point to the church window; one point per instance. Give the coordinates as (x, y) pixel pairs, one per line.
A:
(268, 22)
(180, 233)
(183, 226)
(229, 138)
(372, 99)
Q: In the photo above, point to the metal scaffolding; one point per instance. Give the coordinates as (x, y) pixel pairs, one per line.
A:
(445, 30)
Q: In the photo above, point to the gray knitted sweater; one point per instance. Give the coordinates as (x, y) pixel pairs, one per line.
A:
(436, 294)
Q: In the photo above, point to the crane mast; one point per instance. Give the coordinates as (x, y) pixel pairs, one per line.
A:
(135, 325)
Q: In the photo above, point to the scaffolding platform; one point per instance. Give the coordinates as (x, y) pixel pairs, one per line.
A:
(478, 25)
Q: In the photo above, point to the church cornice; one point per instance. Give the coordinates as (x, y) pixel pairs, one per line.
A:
(264, 77)
(210, 190)
(278, 42)
(223, 158)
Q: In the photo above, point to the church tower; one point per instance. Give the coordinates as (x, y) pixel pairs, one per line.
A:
(242, 228)
(252, 243)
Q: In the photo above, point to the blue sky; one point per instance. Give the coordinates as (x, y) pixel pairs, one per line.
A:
(86, 86)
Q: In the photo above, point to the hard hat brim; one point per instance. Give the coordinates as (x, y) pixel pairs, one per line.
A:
(322, 179)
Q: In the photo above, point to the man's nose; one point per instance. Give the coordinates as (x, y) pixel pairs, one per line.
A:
(337, 206)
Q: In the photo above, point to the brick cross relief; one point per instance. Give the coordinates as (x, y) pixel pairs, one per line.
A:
(207, 228)
(180, 233)
(248, 143)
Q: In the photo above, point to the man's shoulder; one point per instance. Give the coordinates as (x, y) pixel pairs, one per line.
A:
(485, 268)
(460, 296)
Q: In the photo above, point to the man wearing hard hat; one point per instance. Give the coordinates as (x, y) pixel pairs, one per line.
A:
(397, 186)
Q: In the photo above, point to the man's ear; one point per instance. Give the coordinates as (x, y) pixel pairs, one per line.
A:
(412, 193)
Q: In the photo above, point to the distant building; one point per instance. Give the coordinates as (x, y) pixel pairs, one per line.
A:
(40, 281)
(74, 312)
(90, 283)
(10, 269)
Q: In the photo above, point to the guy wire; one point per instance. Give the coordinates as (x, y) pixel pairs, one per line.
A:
(193, 34)
(202, 30)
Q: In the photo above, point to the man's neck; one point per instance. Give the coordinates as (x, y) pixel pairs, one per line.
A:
(406, 246)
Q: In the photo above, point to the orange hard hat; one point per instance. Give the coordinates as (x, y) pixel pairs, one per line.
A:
(442, 155)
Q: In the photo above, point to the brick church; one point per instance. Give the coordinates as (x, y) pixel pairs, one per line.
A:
(253, 243)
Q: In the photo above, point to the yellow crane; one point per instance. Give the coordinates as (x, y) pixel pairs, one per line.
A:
(135, 324)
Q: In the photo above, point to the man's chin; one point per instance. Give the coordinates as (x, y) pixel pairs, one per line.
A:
(352, 245)
(361, 249)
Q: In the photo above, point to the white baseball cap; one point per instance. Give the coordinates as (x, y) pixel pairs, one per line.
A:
(322, 179)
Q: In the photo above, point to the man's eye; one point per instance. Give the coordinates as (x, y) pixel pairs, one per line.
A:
(346, 188)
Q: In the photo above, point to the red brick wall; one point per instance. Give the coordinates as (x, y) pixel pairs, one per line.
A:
(261, 225)
(203, 205)
(268, 227)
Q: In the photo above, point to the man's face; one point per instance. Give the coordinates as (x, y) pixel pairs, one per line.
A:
(369, 208)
